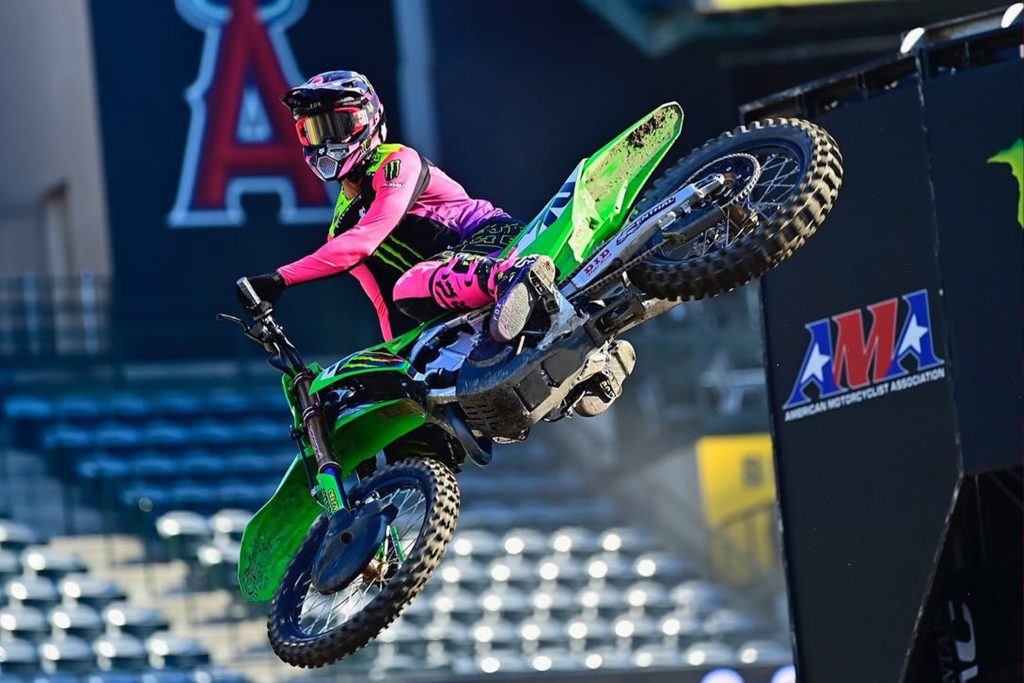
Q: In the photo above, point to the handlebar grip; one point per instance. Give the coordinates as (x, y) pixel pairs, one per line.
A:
(247, 294)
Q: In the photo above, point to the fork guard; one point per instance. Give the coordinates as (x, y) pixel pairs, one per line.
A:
(351, 541)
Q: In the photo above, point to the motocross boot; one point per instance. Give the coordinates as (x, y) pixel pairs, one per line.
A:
(520, 287)
(606, 386)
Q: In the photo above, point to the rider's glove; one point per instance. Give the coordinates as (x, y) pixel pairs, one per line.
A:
(268, 287)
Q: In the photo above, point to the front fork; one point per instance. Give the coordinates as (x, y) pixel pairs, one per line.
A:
(329, 483)
(330, 486)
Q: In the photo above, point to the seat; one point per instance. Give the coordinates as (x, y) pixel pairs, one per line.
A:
(226, 403)
(664, 567)
(601, 600)
(639, 631)
(126, 405)
(465, 575)
(731, 625)
(524, 542)
(228, 524)
(213, 433)
(458, 606)
(32, 591)
(18, 657)
(512, 571)
(15, 537)
(183, 531)
(539, 634)
(67, 656)
(655, 656)
(47, 563)
(765, 653)
(453, 635)
(476, 544)
(610, 568)
(697, 597)
(507, 603)
(607, 658)
(555, 602)
(403, 636)
(134, 620)
(709, 653)
(565, 570)
(171, 651)
(174, 403)
(117, 435)
(492, 633)
(10, 565)
(574, 540)
(214, 675)
(648, 598)
(588, 633)
(104, 466)
(218, 563)
(121, 652)
(553, 660)
(23, 623)
(79, 621)
(78, 407)
(626, 540)
(66, 437)
(680, 626)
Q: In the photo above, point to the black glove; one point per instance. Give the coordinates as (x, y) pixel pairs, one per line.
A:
(268, 287)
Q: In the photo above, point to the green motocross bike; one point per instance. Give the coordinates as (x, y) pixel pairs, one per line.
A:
(366, 510)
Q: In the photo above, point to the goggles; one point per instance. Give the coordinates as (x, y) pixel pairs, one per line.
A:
(338, 126)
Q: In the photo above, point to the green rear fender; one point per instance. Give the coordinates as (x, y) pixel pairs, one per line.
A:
(593, 203)
(274, 534)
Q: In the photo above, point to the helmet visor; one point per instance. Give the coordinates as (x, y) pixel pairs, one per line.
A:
(338, 126)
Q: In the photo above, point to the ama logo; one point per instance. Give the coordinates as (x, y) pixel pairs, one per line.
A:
(845, 366)
(241, 139)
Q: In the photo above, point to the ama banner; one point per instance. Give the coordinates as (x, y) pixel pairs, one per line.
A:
(205, 178)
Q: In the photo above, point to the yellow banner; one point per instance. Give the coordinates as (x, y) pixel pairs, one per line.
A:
(737, 480)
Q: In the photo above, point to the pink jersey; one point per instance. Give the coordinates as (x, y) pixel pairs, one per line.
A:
(401, 183)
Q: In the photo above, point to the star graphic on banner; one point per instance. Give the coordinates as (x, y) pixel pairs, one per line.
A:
(912, 337)
(815, 363)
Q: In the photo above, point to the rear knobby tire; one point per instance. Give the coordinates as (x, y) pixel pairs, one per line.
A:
(775, 239)
(442, 510)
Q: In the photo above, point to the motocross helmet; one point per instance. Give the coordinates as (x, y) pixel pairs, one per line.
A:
(339, 120)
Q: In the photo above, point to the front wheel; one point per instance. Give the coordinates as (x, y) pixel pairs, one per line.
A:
(783, 176)
(311, 629)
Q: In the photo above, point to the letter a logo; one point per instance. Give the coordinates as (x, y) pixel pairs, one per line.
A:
(241, 139)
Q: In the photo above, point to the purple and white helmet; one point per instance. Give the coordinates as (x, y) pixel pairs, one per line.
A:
(339, 120)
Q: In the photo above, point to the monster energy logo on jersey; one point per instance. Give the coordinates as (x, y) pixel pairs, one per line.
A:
(392, 169)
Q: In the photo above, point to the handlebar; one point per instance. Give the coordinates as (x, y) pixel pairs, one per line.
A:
(264, 329)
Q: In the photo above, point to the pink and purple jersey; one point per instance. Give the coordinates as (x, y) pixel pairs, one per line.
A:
(407, 211)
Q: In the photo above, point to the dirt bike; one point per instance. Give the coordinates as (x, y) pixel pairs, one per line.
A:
(365, 512)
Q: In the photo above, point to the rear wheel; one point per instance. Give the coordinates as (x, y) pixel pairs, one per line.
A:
(783, 177)
(310, 629)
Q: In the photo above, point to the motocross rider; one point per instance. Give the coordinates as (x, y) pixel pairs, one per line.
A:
(411, 236)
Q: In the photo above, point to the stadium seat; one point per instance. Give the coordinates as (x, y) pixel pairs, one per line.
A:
(173, 403)
(575, 541)
(626, 540)
(453, 635)
(476, 544)
(565, 570)
(602, 601)
(538, 634)
(15, 537)
(125, 405)
(24, 623)
(607, 658)
(513, 572)
(218, 563)
(404, 636)
(648, 598)
(18, 657)
(211, 675)
(90, 590)
(709, 653)
(32, 591)
(121, 653)
(610, 568)
(554, 660)
(554, 602)
(664, 567)
(697, 596)
(47, 563)
(183, 531)
(67, 656)
(656, 657)
(80, 621)
(490, 633)
(134, 620)
(168, 676)
(170, 650)
(228, 524)
(730, 625)
(116, 435)
(464, 575)
(681, 626)
(10, 566)
(525, 542)
(507, 603)
(765, 653)
(586, 633)
(638, 631)
(66, 437)
(459, 606)
(77, 406)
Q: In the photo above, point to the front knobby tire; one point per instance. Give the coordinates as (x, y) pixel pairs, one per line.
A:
(292, 640)
(783, 226)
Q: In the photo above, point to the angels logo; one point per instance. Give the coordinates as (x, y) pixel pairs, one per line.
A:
(241, 139)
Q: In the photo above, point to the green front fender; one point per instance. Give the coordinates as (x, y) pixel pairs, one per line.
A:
(275, 532)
